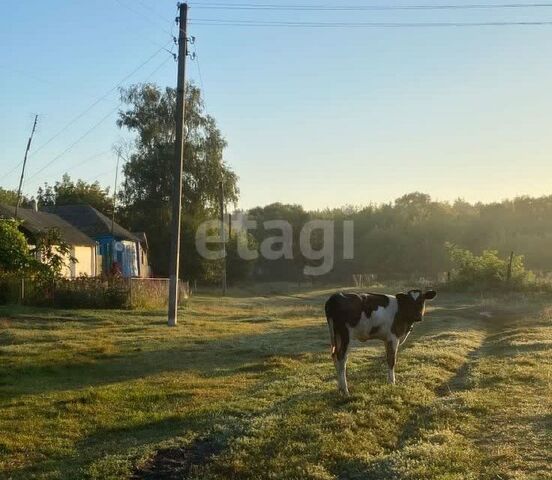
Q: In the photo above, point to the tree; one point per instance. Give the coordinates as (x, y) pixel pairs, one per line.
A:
(53, 252)
(9, 197)
(238, 268)
(147, 186)
(68, 192)
(14, 251)
(283, 268)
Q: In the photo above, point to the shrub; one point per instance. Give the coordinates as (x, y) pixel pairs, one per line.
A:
(487, 270)
(14, 252)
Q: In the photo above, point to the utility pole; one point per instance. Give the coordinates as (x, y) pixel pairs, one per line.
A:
(115, 193)
(222, 237)
(24, 165)
(174, 264)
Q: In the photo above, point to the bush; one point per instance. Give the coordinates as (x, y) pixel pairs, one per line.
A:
(86, 292)
(14, 252)
(10, 288)
(82, 292)
(487, 270)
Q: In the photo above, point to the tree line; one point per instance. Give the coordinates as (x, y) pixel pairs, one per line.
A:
(416, 235)
(408, 236)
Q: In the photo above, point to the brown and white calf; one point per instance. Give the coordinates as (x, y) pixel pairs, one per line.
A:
(372, 316)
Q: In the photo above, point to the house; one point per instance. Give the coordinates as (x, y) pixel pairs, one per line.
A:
(119, 248)
(83, 248)
(143, 262)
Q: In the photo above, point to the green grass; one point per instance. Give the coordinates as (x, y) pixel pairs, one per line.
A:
(244, 388)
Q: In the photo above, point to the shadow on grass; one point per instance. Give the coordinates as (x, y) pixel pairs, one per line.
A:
(103, 443)
(208, 433)
(209, 358)
(495, 344)
(243, 353)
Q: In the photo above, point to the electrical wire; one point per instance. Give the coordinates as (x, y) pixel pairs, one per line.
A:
(203, 94)
(259, 23)
(91, 129)
(88, 109)
(144, 17)
(70, 147)
(88, 159)
(154, 11)
(290, 7)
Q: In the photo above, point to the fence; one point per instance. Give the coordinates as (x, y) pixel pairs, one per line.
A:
(89, 292)
(363, 280)
(154, 292)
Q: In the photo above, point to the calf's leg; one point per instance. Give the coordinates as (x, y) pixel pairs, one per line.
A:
(340, 360)
(391, 347)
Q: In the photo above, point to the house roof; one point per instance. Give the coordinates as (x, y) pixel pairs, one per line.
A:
(91, 222)
(37, 222)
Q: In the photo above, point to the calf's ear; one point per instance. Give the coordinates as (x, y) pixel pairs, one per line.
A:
(430, 294)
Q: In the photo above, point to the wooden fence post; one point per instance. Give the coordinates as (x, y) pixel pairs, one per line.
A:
(509, 272)
(130, 292)
(22, 291)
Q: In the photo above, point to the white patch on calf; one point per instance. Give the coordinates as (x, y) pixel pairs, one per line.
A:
(415, 295)
(380, 320)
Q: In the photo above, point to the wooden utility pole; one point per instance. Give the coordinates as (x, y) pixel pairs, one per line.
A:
(24, 165)
(174, 264)
(222, 237)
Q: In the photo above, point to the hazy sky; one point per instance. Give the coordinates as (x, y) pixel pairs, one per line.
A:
(317, 116)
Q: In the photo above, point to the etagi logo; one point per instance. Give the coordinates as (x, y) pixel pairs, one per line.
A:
(316, 242)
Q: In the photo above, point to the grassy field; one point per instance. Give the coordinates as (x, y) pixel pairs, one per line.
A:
(244, 388)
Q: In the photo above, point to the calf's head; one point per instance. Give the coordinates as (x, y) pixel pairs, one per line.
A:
(412, 304)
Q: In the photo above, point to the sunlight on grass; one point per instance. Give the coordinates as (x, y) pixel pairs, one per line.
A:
(244, 388)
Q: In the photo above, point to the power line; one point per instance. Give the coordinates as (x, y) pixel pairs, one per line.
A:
(259, 23)
(89, 108)
(146, 18)
(196, 59)
(154, 11)
(86, 160)
(70, 147)
(91, 129)
(289, 7)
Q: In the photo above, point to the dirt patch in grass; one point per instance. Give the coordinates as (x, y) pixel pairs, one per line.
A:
(178, 462)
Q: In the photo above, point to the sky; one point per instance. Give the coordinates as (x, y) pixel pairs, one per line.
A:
(323, 117)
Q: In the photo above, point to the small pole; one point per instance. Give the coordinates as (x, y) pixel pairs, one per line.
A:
(130, 292)
(174, 263)
(509, 272)
(222, 236)
(22, 290)
(24, 165)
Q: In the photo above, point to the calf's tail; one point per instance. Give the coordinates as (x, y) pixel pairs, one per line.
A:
(332, 335)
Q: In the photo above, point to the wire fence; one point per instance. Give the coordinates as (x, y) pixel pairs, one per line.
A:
(90, 292)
